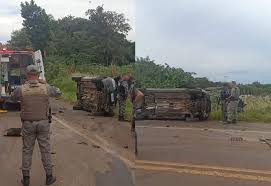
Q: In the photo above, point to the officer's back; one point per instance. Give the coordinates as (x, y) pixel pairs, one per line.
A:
(34, 96)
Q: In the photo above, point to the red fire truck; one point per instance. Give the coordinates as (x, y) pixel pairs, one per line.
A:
(13, 70)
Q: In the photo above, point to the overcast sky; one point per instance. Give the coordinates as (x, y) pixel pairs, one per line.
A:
(220, 39)
(10, 18)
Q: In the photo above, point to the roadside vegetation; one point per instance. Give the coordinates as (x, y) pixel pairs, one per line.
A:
(89, 46)
(257, 109)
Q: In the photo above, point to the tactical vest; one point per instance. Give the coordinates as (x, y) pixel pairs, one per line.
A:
(235, 92)
(35, 102)
(123, 89)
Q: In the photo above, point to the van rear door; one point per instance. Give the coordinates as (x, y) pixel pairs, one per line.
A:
(39, 63)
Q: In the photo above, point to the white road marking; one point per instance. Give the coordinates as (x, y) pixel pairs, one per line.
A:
(103, 146)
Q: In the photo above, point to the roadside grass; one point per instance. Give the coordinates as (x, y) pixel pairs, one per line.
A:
(216, 115)
(258, 109)
(128, 111)
(67, 87)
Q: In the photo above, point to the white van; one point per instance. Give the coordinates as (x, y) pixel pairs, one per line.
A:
(13, 69)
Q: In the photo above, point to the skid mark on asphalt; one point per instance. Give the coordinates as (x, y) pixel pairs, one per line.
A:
(226, 172)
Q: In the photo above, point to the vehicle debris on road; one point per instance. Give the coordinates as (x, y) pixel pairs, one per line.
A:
(266, 141)
(13, 132)
(82, 143)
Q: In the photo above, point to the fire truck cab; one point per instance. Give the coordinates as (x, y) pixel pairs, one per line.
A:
(13, 69)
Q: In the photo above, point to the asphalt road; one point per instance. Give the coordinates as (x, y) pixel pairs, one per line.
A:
(208, 153)
(78, 161)
(149, 178)
(96, 151)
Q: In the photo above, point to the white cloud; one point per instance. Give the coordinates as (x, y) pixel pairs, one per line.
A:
(214, 38)
(9, 24)
(10, 19)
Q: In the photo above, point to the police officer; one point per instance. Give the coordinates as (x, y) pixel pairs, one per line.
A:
(109, 95)
(137, 98)
(233, 103)
(224, 95)
(34, 96)
(123, 91)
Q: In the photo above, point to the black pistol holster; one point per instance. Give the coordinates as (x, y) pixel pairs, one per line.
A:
(50, 115)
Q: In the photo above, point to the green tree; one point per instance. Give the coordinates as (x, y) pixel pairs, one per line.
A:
(100, 39)
(71, 39)
(109, 30)
(19, 40)
(149, 74)
(108, 22)
(36, 24)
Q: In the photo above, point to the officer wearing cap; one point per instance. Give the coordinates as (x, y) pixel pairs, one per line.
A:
(34, 97)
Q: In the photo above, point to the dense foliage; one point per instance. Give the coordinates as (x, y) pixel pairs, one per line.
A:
(19, 40)
(100, 39)
(36, 24)
(149, 74)
(256, 89)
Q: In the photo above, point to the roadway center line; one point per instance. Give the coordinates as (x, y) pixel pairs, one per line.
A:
(202, 167)
(226, 172)
(206, 173)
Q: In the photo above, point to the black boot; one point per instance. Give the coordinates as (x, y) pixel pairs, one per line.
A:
(50, 179)
(26, 181)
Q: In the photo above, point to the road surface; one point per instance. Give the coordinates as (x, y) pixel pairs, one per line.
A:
(97, 151)
(79, 159)
(206, 153)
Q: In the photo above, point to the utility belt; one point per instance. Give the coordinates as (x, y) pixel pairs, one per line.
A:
(49, 117)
